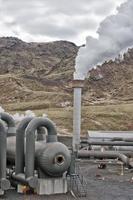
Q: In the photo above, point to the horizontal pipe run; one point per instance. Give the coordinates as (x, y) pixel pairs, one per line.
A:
(106, 143)
(106, 155)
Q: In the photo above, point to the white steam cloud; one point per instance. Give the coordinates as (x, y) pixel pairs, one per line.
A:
(115, 36)
(1, 109)
(19, 117)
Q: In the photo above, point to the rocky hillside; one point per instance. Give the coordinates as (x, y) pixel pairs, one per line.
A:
(112, 82)
(42, 72)
(35, 71)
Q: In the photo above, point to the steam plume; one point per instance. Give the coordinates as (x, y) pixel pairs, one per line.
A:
(115, 36)
(19, 117)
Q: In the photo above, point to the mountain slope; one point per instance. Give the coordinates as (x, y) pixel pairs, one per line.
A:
(34, 72)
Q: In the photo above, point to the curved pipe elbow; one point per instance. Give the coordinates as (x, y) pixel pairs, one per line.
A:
(43, 122)
(30, 141)
(10, 122)
(124, 159)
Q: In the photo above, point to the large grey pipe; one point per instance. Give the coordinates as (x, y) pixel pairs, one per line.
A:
(76, 118)
(19, 159)
(10, 123)
(107, 143)
(4, 183)
(52, 158)
(30, 141)
(106, 154)
(20, 138)
(77, 85)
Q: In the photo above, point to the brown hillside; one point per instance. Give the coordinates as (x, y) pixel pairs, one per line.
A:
(42, 72)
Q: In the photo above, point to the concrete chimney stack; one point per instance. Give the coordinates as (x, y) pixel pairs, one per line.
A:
(77, 85)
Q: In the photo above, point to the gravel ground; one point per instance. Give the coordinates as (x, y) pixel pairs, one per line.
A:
(102, 184)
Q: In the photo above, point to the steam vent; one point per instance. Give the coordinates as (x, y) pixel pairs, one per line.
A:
(77, 86)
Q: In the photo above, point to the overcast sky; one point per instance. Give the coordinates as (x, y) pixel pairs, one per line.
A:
(48, 20)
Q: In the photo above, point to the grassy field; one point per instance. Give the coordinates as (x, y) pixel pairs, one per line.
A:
(96, 117)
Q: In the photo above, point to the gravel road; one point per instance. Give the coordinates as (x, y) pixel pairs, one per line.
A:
(102, 184)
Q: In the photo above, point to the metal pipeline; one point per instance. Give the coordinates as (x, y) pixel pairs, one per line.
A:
(106, 154)
(20, 138)
(20, 150)
(122, 139)
(19, 159)
(41, 134)
(10, 123)
(107, 143)
(4, 183)
(20, 178)
(52, 158)
(30, 141)
(127, 150)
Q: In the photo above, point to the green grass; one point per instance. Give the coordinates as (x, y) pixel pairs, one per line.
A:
(104, 117)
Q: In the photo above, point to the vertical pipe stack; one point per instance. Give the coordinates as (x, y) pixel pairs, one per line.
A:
(4, 183)
(10, 123)
(2, 151)
(77, 85)
(19, 160)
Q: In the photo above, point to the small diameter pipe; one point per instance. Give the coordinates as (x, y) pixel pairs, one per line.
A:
(30, 141)
(106, 154)
(10, 122)
(4, 183)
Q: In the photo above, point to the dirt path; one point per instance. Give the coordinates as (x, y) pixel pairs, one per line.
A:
(105, 184)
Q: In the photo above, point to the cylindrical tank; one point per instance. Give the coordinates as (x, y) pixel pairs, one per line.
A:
(54, 159)
(51, 158)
